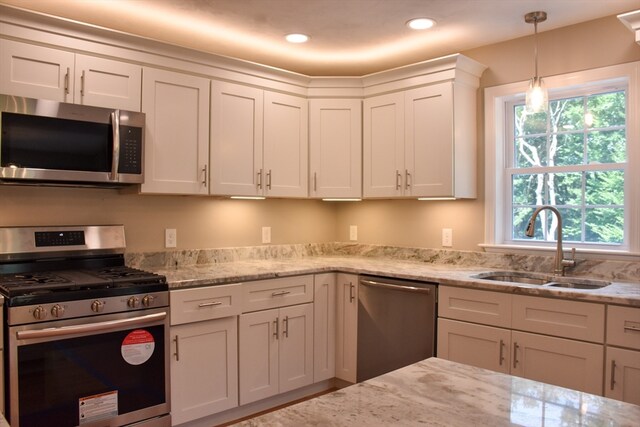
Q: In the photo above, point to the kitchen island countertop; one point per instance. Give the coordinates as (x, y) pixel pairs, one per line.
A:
(623, 293)
(438, 392)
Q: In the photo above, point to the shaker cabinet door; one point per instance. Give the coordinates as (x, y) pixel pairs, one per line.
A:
(236, 140)
(177, 132)
(36, 71)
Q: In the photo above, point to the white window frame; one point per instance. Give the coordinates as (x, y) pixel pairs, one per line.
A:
(496, 101)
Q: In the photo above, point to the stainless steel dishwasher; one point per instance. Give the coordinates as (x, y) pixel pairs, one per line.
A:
(396, 324)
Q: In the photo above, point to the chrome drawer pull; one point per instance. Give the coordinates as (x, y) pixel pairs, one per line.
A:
(209, 304)
(285, 333)
(177, 353)
(613, 374)
(515, 354)
(351, 288)
(501, 357)
(632, 328)
(276, 327)
(278, 293)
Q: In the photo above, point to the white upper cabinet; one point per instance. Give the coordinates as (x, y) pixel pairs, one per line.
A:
(421, 143)
(258, 142)
(383, 150)
(285, 145)
(335, 148)
(236, 139)
(177, 132)
(106, 83)
(45, 73)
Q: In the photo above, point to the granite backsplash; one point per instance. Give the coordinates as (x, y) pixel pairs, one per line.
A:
(602, 269)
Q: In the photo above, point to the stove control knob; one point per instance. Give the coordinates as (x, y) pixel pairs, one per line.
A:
(133, 302)
(97, 306)
(40, 313)
(147, 301)
(57, 310)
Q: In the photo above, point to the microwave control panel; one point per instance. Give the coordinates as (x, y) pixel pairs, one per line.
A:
(130, 150)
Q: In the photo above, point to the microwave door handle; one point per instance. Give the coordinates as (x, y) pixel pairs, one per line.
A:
(115, 126)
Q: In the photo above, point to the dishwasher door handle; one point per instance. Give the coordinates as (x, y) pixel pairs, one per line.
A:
(396, 287)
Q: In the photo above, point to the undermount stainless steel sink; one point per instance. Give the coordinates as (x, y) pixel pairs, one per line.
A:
(542, 280)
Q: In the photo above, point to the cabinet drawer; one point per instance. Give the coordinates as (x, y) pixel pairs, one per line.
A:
(570, 319)
(623, 326)
(489, 308)
(265, 294)
(210, 302)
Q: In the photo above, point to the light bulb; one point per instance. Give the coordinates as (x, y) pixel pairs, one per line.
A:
(536, 96)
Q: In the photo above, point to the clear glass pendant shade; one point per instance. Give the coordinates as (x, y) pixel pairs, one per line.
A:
(537, 98)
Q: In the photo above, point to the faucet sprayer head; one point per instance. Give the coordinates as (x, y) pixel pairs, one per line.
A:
(529, 232)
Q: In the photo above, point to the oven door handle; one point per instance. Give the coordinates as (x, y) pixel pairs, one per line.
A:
(92, 327)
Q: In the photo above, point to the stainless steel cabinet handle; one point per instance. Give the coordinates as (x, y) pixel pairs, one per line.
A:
(285, 332)
(278, 293)
(115, 161)
(632, 328)
(177, 353)
(82, 84)
(315, 181)
(407, 180)
(515, 354)
(396, 287)
(398, 180)
(501, 357)
(613, 374)
(204, 171)
(209, 304)
(269, 180)
(259, 173)
(276, 326)
(91, 327)
(66, 82)
(351, 293)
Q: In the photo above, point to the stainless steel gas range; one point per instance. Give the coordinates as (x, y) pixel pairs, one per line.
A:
(86, 337)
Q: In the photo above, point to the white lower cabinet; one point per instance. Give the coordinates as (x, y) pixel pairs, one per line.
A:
(622, 366)
(204, 351)
(204, 369)
(346, 327)
(324, 326)
(622, 380)
(477, 345)
(558, 360)
(276, 351)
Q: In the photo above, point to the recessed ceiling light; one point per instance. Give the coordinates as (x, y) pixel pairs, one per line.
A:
(421, 23)
(297, 38)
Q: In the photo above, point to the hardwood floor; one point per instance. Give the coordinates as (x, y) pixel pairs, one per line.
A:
(257, 414)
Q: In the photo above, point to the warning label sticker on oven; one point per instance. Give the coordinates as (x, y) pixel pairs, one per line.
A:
(137, 347)
(98, 407)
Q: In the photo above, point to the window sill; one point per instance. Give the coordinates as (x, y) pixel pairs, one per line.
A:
(580, 252)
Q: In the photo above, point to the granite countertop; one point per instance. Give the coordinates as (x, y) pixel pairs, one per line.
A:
(624, 293)
(438, 392)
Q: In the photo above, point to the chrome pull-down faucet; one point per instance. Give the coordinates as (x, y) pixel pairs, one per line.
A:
(560, 262)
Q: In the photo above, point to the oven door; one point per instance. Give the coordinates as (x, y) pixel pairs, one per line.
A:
(109, 370)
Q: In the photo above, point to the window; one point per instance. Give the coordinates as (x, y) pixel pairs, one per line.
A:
(581, 156)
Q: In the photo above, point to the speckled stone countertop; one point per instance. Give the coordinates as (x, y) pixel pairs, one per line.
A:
(437, 392)
(624, 293)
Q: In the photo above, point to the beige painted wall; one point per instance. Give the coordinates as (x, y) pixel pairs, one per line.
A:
(205, 222)
(593, 44)
(201, 222)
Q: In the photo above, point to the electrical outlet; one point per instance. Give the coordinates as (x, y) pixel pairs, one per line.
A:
(266, 234)
(170, 238)
(353, 232)
(447, 237)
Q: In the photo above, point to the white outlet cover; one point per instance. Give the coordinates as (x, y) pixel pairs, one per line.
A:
(170, 238)
(266, 234)
(353, 232)
(447, 237)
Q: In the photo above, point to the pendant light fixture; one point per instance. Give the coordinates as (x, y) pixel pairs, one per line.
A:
(536, 97)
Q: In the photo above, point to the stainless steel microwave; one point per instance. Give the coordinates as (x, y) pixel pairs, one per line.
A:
(54, 143)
